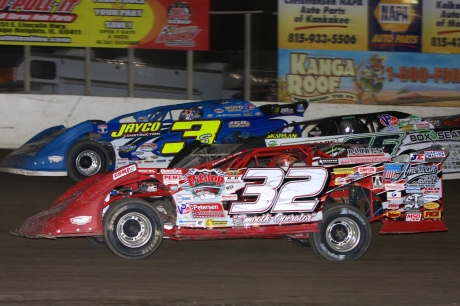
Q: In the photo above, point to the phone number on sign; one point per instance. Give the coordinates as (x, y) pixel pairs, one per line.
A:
(414, 74)
(444, 42)
(321, 38)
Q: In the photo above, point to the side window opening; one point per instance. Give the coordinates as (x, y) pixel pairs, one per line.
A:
(42, 70)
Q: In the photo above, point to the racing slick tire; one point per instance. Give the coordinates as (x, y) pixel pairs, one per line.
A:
(133, 229)
(99, 241)
(86, 158)
(344, 235)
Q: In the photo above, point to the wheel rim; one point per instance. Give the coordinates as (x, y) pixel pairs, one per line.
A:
(343, 234)
(134, 230)
(88, 163)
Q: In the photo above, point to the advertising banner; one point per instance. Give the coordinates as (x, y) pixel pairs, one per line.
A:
(395, 25)
(441, 26)
(368, 77)
(391, 52)
(329, 25)
(149, 24)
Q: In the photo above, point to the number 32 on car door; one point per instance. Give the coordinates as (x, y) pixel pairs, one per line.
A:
(204, 130)
(295, 195)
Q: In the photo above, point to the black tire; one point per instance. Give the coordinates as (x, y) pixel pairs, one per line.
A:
(300, 242)
(99, 241)
(186, 150)
(86, 158)
(133, 229)
(344, 235)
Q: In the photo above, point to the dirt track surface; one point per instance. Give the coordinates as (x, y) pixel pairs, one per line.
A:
(420, 269)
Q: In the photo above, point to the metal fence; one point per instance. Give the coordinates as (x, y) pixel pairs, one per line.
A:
(140, 73)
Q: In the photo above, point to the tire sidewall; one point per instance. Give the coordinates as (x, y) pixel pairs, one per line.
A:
(318, 240)
(76, 149)
(120, 209)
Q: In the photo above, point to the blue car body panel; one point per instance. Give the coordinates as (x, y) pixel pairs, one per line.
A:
(152, 137)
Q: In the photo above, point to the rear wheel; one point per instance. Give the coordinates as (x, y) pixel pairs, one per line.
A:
(344, 235)
(133, 229)
(86, 158)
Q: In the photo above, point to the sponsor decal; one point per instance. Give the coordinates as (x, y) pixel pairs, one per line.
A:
(328, 161)
(244, 220)
(148, 147)
(431, 197)
(55, 159)
(300, 108)
(392, 206)
(413, 189)
(183, 209)
(219, 110)
(229, 197)
(171, 179)
(393, 214)
(431, 190)
(229, 188)
(128, 148)
(195, 177)
(394, 195)
(234, 108)
(344, 171)
(422, 125)
(186, 222)
(171, 171)
(413, 216)
(413, 201)
(286, 219)
(388, 120)
(432, 214)
(360, 160)
(184, 198)
(249, 106)
(434, 154)
(409, 127)
(272, 143)
(231, 172)
(398, 171)
(367, 170)
(124, 171)
(81, 220)
(364, 151)
(377, 182)
(214, 210)
(286, 110)
(147, 171)
(395, 186)
(420, 158)
(431, 205)
(454, 122)
(239, 124)
(281, 135)
(137, 129)
(233, 179)
(424, 181)
(211, 222)
(102, 129)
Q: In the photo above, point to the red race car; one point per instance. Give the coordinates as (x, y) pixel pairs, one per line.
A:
(325, 196)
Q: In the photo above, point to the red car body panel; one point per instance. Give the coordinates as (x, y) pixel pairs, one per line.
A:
(291, 212)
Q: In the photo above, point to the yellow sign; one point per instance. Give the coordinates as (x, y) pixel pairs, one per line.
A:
(324, 25)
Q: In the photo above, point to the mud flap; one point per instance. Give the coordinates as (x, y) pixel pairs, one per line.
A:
(398, 227)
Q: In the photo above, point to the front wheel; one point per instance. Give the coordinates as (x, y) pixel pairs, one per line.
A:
(86, 158)
(133, 229)
(344, 235)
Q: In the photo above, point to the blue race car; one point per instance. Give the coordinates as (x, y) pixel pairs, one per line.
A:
(149, 138)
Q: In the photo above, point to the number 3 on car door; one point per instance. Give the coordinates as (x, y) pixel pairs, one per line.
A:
(204, 130)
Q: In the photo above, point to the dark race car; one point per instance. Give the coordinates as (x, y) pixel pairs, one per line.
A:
(395, 132)
(149, 138)
(324, 196)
